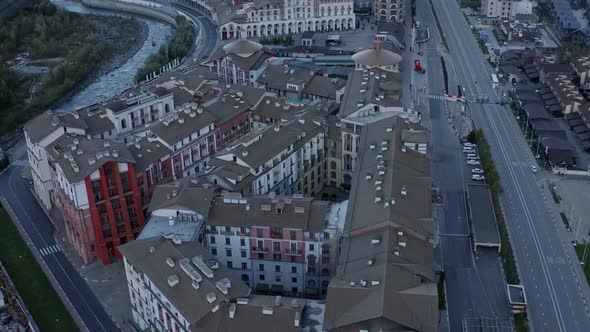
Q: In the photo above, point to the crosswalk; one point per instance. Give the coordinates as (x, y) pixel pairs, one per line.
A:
(21, 163)
(49, 250)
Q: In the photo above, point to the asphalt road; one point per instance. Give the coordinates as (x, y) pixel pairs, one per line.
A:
(548, 269)
(474, 290)
(208, 29)
(39, 228)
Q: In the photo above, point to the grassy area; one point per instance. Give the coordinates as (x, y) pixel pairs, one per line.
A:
(39, 296)
(521, 322)
(493, 181)
(442, 303)
(475, 4)
(76, 44)
(177, 48)
(565, 221)
(500, 36)
(554, 195)
(584, 260)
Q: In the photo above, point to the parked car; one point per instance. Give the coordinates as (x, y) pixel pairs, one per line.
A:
(468, 150)
(468, 144)
(472, 162)
(533, 168)
(472, 158)
(477, 177)
(471, 154)
(477, 171)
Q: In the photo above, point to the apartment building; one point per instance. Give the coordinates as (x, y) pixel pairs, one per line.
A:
(282, 245)
(239, 62)
(385, 277)
(178, 286)
(283, 158)
(370, 96)
(506, 10)
(261, 18)
(96, 189)
(389, 10)
(300, 85)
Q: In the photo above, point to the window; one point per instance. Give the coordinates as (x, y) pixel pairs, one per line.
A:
(260, 256)
(278, 278)
(244, 266)
(213, 251)
(277, 268)
(243, 242)
(261, 277)
(212, 240)
(259, 232)
(243, 253)
(293, 235)
(276, 246)
(227, 229)
(228, 252)
(311, 247)
(230, 265)
(227, 241)
(276, 257)
(294, 290)
(326, 236)
(123, 124)
(260, 267)
(294, 280)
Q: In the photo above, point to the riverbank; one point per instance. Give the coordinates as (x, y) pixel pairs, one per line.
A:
(47, 53)
(122, 50)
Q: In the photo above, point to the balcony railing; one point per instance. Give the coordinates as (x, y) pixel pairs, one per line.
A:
(259, 250)
(292, 252)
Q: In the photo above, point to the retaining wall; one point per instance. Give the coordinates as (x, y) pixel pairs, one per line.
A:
(152, 12)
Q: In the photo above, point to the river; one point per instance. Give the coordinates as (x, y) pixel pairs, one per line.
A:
(118, 80)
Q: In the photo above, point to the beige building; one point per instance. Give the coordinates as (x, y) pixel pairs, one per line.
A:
(389, 10)
(506, 10)
(385, 279)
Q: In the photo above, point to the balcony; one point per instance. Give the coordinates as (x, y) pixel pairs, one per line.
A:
(292, 252)
(212, 231)
(259, 250)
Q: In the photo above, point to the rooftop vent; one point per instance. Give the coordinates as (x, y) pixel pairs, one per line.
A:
(152, 249)
(245, 153)
(375, 283)
(368, 176)
(396, 252)
(389, 130)
(404, 149)
(106, 144)
(402, 244)
(242, 300)
(211, 297)
(198, 261)
(91, 161)
(181, 120)
(378, 182)
(173, 280)
(170, 261)
(363, 283)
(232, 310)
(186, 266)
(376, 240)
(171, 219)
(377, 199)
(115, 153)
(404, 190)
(379, 156)
(370, 262)
(195, 284)
(267, 310)
(223, 285)
(299, 209)
(77, 141)
(393, 201)
(372, 146)
(278, 301)
(352, 284)
(213, 263)
(277, 128)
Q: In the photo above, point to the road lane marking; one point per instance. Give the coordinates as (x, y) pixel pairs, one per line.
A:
(50, 250)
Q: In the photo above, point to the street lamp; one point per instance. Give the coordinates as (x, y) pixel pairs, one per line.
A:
(539, 145)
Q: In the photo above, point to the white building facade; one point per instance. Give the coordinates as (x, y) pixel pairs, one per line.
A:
(263, 18)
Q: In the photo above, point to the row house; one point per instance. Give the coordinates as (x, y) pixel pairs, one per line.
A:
(261, 18)
(178, 286)
(280, 245)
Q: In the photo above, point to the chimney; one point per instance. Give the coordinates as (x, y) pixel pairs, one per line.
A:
(378, 44)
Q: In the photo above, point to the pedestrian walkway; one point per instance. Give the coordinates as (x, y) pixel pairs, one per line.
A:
(20, 163)
(50, 250)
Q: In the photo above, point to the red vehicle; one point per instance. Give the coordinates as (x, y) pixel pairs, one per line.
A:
(418, 66)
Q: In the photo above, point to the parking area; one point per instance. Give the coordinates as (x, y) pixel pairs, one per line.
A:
(574, 195)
